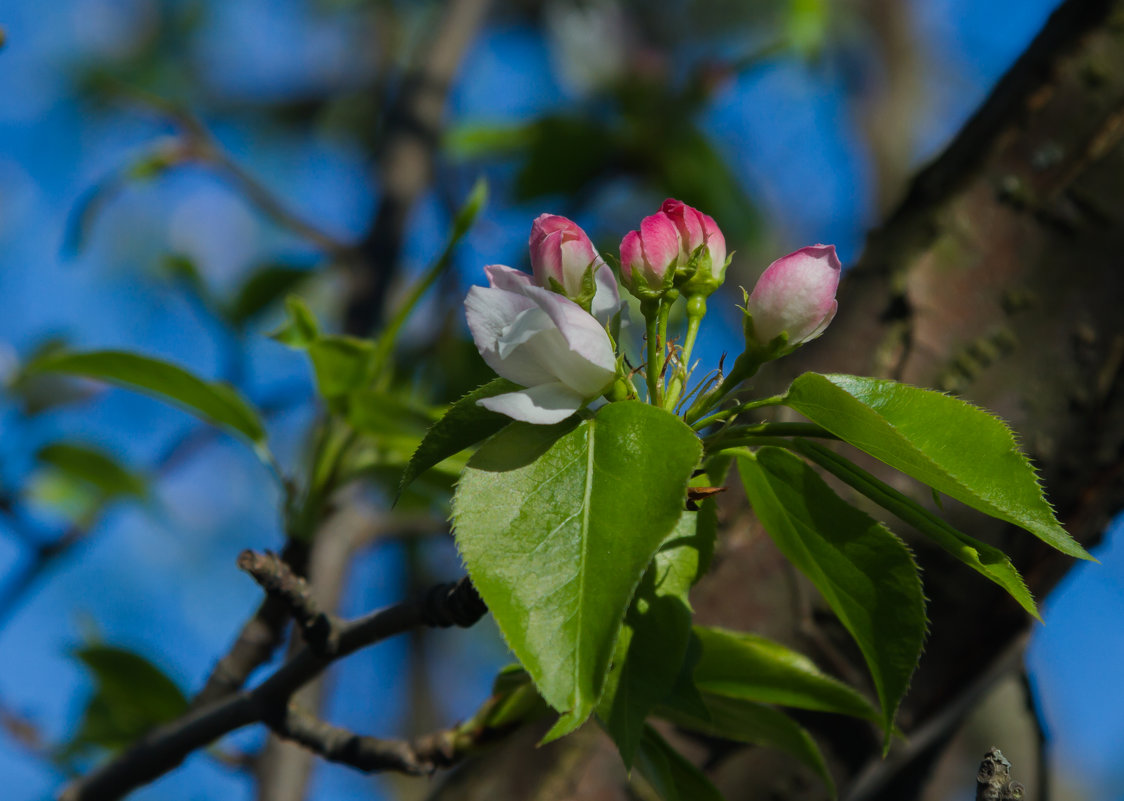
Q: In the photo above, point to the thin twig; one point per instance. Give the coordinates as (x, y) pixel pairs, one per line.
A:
(280, 582)
(368, 754)
(283, 769)
(259, 637)
(197, 144)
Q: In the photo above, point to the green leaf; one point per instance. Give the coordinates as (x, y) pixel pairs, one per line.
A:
(37, 392)
(60, 493)
(985, 559)
(557, 524)
(749, 722)
(131, 696)
(465, 424)
(217, 403)
(381, 414)
(865, 573)
(653, 640)
(671, 775)
(940, 440)
(342, 364)
(95, 468)
(264, 287)
(470, 209)
(808, 25)
(747, 666)
(300, 328)
(181, 268)
(473, 140)
(564, 154)
(684, 696)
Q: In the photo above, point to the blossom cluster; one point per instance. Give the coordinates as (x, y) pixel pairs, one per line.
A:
(549, 331)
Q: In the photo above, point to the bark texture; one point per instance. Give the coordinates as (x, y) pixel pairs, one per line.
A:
(1000, 277)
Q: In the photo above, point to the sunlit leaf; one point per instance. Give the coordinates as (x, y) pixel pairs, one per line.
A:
(653, 640)
(940, 440)
(300, 328)
(985, 559)
(557, 524)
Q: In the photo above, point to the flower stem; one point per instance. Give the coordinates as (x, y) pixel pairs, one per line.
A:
(651, 311)
(696, 310)
(761, 434)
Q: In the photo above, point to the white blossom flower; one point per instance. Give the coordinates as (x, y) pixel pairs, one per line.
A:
(540, 340)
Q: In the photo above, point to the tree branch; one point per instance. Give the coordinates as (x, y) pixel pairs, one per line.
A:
(420, 757)
(406, 160)
(283, 585)
(167, 746)
(195, 143)
(282, 768)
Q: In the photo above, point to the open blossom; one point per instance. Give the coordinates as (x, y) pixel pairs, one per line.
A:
(540, 340)
(697, 229)
(562, 252)
(794, 296)
(650, 255)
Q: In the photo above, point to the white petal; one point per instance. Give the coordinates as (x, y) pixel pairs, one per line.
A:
(582, 332)
(500, 276)
(607, 300)
(525, 326)
(548, 350)
(542, 405)
(490, 314)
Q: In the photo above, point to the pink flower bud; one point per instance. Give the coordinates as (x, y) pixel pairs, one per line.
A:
(560, 250)
(649, 256)
(697, 229)
(794, 296)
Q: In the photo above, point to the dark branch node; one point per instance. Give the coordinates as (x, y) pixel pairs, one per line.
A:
(453, 604)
